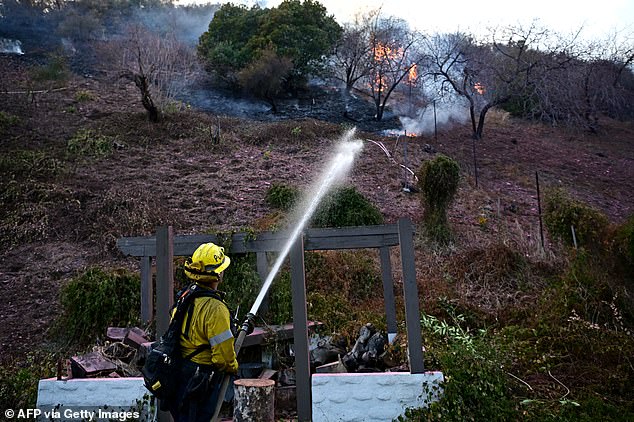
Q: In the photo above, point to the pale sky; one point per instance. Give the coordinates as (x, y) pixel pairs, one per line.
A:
(598, 18)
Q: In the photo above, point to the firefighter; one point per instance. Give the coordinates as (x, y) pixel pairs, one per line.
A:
(209, 323)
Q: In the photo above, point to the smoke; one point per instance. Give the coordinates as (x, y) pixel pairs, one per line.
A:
(186, 23)
(437, 115)
(8, 46)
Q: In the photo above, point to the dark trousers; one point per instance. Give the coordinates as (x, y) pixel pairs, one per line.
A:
(197, 393)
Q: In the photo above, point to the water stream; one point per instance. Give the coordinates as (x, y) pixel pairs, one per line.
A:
(334, 173)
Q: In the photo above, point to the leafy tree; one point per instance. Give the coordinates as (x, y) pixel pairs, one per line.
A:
(231, 40)
(299, 31)
(303, 32)
(346, 207)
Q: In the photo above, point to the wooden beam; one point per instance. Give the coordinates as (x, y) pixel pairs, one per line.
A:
(300, 333)
(315, 239)
(410, 295)
(164, 278)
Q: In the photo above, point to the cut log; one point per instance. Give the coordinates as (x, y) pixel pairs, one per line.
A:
(254, 400)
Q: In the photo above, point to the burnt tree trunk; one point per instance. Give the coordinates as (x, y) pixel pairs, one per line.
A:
(146, 98)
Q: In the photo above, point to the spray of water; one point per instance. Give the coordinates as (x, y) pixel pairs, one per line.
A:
(334, 173)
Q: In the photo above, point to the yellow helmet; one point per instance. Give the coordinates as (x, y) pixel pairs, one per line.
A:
(207, 262)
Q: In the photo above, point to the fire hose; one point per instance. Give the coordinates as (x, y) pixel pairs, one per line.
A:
(242, 333)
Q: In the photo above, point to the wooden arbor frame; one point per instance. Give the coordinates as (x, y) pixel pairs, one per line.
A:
(164, 246)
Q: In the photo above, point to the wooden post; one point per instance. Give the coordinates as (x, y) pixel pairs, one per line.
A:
(164, 287)
(300, 332)
(388, 293)
(164, 277)
(254, 400)
(410, 294)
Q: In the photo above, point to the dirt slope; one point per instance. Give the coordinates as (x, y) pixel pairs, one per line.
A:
(61, 217)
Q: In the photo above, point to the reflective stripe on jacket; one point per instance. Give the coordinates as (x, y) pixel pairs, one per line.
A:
(210, 325)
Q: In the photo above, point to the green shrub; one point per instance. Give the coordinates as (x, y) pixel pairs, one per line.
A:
(346, 207)
(54, 73)
(87, 143)
(95, 300)
(19, 379)
(31, 164)
(561, 212)
(7, 120)
(438, 181)
(282, 196)
(241, 282)
(475, 386)
(83, 96)
(624, 241)
(280, 310)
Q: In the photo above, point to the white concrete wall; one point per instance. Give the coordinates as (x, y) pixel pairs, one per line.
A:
(87, 399)
(368, 397)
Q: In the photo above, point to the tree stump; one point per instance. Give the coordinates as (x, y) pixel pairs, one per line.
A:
(254, 400)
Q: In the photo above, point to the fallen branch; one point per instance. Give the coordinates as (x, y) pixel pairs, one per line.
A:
(387, 153)
(44, 91)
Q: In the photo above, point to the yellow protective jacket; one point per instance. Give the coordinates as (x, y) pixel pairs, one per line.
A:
(210, 325)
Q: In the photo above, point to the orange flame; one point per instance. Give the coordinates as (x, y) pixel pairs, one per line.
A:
(413, 74)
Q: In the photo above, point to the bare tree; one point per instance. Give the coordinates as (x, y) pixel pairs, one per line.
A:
(157, 64)
(352, 57)
(394, 53)
(501, 71)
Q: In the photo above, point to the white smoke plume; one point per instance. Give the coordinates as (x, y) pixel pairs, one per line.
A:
(442, 115)
(8, 46)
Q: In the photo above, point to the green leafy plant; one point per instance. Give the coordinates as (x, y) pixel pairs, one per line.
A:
(19, 378)
(346, 207)
(563, 213)
(7, 120)
(31, 164)
(86, 142)
(241, 282)
(55, 73)
(438, 181)
(475, 386)
(95, 300)
(83, 96)
(280, 305)
(623, 243)
(282, 196)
